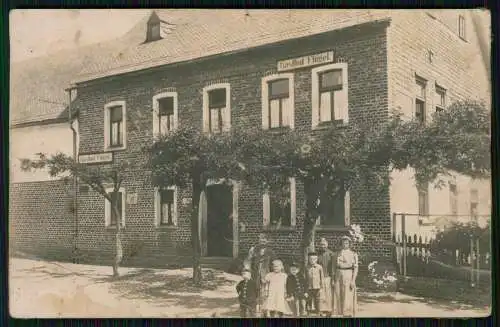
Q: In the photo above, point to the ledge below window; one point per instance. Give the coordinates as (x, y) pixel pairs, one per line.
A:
(113, 227)
(279, 130)
(115, 148)
(329, 124)
(166, 227)
(323, 228)
(279, 229)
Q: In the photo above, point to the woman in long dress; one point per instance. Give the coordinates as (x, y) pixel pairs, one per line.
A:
(346, 271)
(325, 259)
(275, 303)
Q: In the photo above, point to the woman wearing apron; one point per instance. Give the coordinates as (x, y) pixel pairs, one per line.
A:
(346, 271)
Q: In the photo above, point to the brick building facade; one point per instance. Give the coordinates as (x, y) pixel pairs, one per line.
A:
(378, 68)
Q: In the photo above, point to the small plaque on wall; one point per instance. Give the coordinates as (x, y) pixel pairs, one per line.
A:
(186, 201)
(132, 198)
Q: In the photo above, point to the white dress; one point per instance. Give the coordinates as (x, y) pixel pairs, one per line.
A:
(276, 293)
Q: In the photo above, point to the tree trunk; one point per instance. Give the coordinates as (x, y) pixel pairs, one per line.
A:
(195, 232)
(118, 242)
(309, 222)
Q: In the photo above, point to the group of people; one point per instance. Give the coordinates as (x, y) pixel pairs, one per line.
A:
(326, 288)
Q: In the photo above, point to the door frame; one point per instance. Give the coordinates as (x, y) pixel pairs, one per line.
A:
(235, 186)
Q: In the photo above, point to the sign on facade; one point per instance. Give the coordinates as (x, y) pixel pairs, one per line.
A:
(306, 61)
(132, 198)
(95, 158)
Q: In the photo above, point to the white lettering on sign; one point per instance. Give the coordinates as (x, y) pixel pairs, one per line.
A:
(306, 61)
(95, 158)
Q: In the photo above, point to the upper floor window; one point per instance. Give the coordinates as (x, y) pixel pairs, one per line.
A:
(153, 28)
(279, 209)
(278, 101)
(217, 108)
(165, 113)
(423, 200)
(111, 217)
(453, 199)
(329, 94)
(440, 98)
(461, 26)
(420, 99)
(115, 119)
(474, 202)
(166, 206)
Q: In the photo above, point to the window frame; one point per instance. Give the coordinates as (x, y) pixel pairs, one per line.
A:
(423, 190)
(462, 27)
(347, 207)
(266, 206)
(156, 112)
(316, 96)
(421, 99)
(440, 93)
(107, 208)
(266, 99)
(157, 206)
(206, 107)
(107, 125)
(453, 198)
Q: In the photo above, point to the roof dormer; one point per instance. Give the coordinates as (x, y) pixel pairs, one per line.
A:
(154, 28)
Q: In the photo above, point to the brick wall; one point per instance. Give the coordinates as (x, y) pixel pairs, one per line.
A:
(363, 48)
(40, 219)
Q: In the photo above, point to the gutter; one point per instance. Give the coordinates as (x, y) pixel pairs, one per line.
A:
(75, 178)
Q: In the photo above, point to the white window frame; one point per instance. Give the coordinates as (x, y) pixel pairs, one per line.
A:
(315, 72)
(462, 27)
(265, 97)
(266, 206)
(420, 80)
(206, 109)
(438, 88)
(157, 199)
(107, 140)
(156, 111)
(347, 214)
(107, 207)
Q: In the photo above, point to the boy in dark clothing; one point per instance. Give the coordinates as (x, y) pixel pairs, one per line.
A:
(247, 295)
(296, 290)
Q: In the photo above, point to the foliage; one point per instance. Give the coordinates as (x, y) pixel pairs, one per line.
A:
(458, 235)
(381, 277)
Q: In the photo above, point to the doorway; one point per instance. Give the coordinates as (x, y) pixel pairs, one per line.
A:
(219, 221)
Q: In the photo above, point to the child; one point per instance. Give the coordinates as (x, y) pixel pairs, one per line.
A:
(296, 290)
(247, 294)
(315, 280)
(275, 304)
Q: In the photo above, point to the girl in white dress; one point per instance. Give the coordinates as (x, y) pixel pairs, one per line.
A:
(275, 303)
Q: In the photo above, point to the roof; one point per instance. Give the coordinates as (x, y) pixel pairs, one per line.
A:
(198, 33)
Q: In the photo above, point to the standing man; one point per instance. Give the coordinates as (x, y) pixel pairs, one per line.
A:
(326, 260)
(259, 261)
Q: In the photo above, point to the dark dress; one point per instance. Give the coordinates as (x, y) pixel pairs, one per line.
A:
(296, 286)
(247, 296)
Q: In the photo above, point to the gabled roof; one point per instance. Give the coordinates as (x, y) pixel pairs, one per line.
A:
(201, 33)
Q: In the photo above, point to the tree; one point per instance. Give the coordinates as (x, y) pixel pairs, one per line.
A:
(189, 158)
(97, 178)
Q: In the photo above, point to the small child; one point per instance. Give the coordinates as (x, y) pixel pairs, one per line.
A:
(314, 281)
(275, 304)
(247, 295)
(296, 290)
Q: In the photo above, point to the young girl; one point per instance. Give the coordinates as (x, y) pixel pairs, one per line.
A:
(275, 303)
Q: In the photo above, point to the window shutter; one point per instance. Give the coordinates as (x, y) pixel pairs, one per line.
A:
(265, 104)
(123, 202)
(176, 111)
(266, 207)
(347, 208)
(293, 203)
(342, 101)
(106, 127)
(107, 213)
(226, 119)
(174, 211)
(157, 207)
(206, 126)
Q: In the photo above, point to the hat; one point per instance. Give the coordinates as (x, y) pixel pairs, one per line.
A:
(312, 254)
(345, 237)
(294, 264)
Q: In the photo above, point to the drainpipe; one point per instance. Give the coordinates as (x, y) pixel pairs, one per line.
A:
(75, 179)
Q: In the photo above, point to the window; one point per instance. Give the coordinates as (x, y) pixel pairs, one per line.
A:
(279, 209)
(110, 216)
(154, 28)
(278, 100)
(115, 120)
(453, 199)
(423, 200)
(474, 202)
(329, 94)
(440, 98)
(420, 112)
(461, 26)
(166, 206)
(217, 108)
(334, 209)
(165, 113)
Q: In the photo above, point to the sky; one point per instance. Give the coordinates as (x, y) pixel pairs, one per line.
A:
(39, 32)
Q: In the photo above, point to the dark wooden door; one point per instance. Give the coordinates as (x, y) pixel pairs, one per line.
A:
(219, 222)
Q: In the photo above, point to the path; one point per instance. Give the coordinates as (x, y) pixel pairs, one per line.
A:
(51, 289)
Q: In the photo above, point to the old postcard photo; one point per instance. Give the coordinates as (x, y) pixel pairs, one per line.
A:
(250, 163)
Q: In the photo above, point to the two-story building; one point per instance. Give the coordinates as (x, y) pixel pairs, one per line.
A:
(294, 69)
